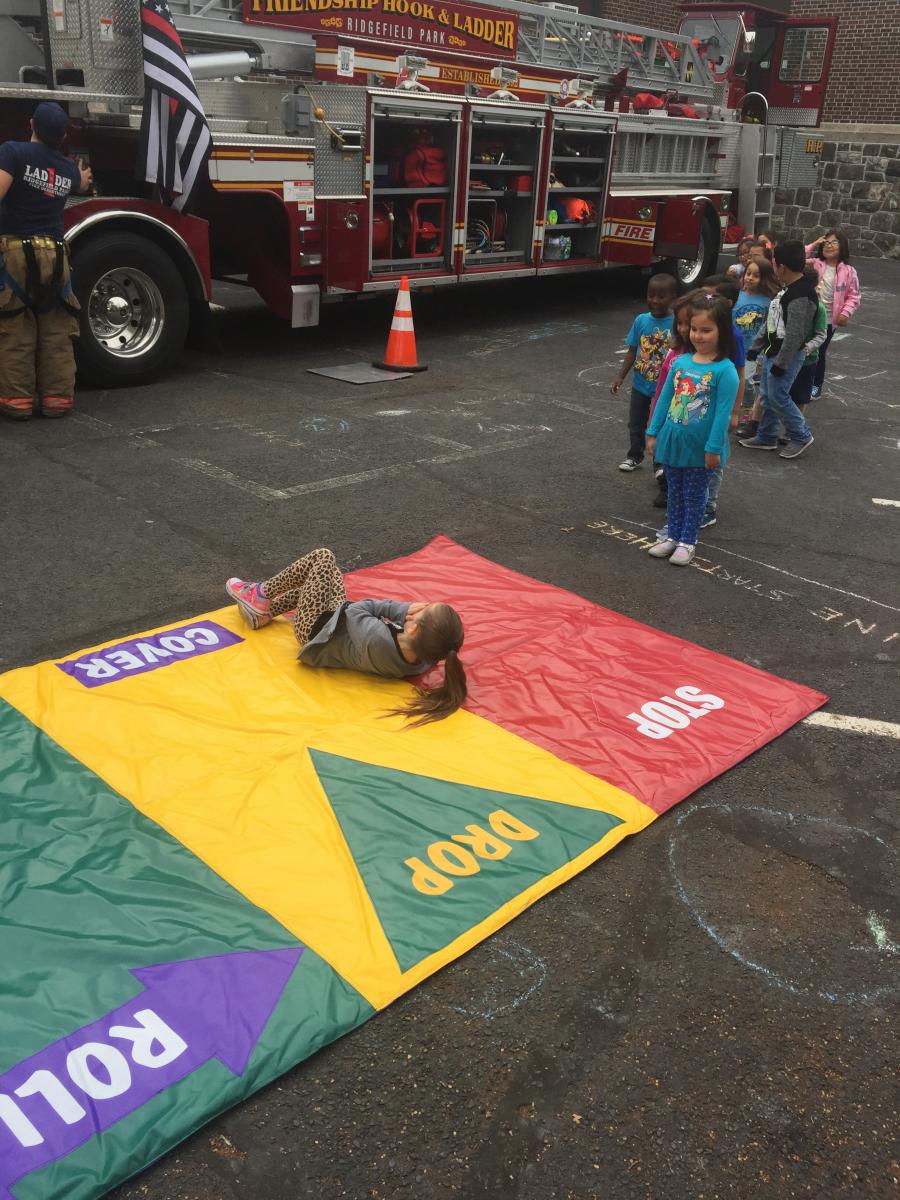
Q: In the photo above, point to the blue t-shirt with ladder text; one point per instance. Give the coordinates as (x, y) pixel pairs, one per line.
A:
(43, 179)
(649, 338)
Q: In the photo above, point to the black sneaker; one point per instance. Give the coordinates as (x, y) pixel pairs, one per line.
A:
(709, 518)
(747, 429)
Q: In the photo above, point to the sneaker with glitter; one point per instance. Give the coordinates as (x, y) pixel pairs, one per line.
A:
(251, 600)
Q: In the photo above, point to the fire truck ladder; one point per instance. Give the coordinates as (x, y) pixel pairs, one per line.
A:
(558, 36)
(550, 35)
(561, 37)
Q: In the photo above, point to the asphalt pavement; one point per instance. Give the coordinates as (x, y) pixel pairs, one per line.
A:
(711, 1011)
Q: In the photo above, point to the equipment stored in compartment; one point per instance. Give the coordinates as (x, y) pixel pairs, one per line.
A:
(557, 246)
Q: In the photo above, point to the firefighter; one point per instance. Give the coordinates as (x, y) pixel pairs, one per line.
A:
(38, 312)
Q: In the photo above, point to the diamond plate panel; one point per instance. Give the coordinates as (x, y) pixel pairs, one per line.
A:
(102, 38)
(793, 116)
(796, 166)
(257, 103)
(339, 174)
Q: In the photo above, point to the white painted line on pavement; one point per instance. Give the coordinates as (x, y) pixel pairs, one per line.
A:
(891, 503)
(874, 375)
(854, 724)
(770, 566)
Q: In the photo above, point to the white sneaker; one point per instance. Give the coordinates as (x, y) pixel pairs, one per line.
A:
(630, 464)
(662, 549)
(682, 555)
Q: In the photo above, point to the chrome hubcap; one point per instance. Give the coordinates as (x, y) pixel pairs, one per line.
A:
(125, 312)
(690, 269)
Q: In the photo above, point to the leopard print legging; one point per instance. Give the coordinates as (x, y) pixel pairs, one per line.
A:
(312, 585)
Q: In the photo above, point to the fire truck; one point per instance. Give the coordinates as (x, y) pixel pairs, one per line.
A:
(357, 141)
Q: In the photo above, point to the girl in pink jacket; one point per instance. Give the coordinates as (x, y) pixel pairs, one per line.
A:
(838, 289)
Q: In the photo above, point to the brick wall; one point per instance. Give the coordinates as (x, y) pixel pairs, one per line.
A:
(653, 14)
(862, 83)
(857, 190)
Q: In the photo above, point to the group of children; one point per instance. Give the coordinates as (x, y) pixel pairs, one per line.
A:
(777, 309)
(689, 355)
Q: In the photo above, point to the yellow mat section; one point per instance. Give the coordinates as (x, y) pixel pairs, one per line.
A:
(215, 750)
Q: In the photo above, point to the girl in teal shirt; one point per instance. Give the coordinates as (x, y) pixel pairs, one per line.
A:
(688, 432)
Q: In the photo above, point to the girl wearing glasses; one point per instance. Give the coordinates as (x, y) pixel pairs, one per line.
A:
(838, 289)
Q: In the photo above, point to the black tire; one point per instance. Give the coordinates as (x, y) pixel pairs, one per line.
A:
(690, 272)
(135, 311)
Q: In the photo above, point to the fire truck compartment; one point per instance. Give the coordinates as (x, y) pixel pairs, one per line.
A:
(414, 169)
(502, 184)
(577, 183)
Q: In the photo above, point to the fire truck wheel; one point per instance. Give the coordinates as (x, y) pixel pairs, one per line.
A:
(134, 309)
(690, 271)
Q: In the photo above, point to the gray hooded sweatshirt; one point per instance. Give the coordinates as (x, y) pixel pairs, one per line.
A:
(356, 638)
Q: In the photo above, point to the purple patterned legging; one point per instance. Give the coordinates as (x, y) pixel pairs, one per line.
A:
(687, 489)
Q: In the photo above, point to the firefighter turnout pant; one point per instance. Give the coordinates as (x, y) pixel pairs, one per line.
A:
(38, 320)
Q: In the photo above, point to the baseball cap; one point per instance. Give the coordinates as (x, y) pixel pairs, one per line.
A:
(50, 122)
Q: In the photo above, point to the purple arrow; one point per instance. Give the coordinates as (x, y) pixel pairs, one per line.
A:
(188, 1013)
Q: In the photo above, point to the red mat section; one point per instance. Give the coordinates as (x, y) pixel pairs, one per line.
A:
(648, 712)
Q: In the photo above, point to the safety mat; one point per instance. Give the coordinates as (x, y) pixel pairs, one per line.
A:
(215, 861)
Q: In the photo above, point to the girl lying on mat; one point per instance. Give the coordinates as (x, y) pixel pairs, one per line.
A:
(382, 637)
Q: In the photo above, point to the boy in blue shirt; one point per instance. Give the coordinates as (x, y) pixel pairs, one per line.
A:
(647, 341)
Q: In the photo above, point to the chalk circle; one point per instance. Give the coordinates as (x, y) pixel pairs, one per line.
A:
(595, 376)
(495, 978)
(324, 424)
(796, 898)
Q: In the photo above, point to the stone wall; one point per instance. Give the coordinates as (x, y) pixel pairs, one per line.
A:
(857, 189)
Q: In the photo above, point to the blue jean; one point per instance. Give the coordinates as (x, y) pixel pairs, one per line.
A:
(686, 502)
(777, 405)
(715, 482)
(750, 387)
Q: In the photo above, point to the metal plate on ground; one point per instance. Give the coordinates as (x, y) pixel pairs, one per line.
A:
(359, 373)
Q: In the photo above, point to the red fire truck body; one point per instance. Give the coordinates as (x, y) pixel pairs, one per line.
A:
(356, 141)
(760, 50)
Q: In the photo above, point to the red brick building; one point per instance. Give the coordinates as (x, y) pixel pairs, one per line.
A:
(657, 14)
(863, 82)
(865, 69)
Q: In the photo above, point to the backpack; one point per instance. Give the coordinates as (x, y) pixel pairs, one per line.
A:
(425, 166)
(681, 110)
(645, 101)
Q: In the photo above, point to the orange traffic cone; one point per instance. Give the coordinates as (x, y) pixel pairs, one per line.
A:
(400, 354)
